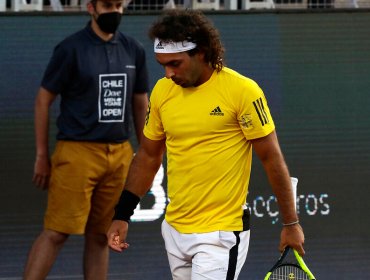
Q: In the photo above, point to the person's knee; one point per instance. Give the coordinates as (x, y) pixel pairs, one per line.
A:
(97, 238)
(57, 238)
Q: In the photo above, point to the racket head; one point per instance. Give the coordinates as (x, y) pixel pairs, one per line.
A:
(288, 271)
(280, 260)
(303, 265)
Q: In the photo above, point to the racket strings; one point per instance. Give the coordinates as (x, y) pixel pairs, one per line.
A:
(288, 272)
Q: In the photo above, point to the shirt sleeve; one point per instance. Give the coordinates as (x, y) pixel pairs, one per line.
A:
(58, 71)
(254, 115)
(153, 128)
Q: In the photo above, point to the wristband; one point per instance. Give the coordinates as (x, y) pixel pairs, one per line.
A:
(126, 206)
(291, 224)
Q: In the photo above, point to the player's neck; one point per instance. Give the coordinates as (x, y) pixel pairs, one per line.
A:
(205, 76)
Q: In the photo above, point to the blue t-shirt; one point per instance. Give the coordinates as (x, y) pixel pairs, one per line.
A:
(96, 80)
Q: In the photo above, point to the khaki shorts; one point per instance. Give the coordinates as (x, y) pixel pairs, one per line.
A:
(86, 182)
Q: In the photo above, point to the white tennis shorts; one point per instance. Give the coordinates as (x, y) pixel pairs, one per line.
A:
(218, 255)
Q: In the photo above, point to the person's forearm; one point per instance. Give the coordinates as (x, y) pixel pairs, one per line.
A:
(140, 106)
(280, 181)
(141, 174)
(41, 128)
(269, 152)
(140, 177)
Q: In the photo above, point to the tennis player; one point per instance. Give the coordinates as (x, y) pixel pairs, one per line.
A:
(207, 118)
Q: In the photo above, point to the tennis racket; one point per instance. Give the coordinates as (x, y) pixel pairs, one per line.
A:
(285, 269)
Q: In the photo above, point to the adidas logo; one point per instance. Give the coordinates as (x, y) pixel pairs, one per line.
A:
(216, 112)
(159, 46)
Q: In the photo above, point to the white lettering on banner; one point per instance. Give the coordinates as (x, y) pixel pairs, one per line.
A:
(310, 204)
(314, 204)
(269, 205)
(325, 210)
(259, 199)
(157, 190)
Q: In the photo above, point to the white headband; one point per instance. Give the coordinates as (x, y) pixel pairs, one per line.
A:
(172, 47)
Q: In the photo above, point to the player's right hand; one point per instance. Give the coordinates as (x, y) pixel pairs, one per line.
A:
(41, 174)
(117, 234)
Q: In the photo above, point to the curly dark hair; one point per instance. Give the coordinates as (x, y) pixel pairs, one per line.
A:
(193, 26)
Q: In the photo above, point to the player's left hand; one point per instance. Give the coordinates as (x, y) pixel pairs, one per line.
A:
(293, 237)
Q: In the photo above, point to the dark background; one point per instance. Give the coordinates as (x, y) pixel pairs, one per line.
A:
(314, 69)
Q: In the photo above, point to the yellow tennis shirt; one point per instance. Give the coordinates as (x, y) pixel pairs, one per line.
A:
(207, 131)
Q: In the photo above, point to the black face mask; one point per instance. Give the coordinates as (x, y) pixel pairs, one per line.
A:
(109, 22)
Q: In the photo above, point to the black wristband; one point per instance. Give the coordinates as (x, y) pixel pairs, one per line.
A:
(126, 206)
